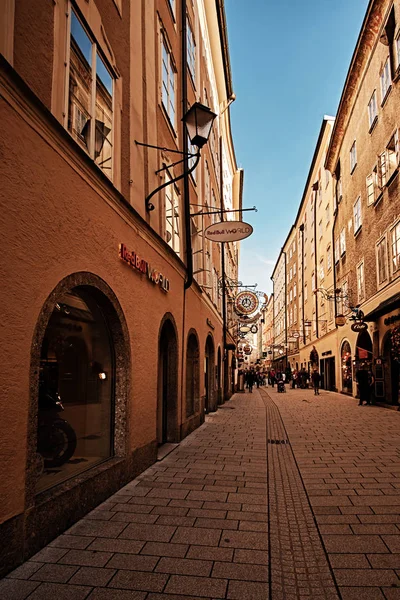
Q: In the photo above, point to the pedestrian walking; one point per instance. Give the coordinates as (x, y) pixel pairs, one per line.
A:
(315, 380)
(250, 381)
(363, 386)
(272, 376)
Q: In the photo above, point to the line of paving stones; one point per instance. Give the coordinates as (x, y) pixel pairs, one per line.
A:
(299, 566)
(192, 527)
(349, 460)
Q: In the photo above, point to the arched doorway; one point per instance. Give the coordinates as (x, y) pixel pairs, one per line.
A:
(167, 429)
(219, 387)
(363, 351)
(391, 372)
(346, 368)
(73, 361)
(209, 362)
(192, 375)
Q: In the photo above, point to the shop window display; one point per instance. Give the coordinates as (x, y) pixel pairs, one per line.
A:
(75, 404)
(347, 376)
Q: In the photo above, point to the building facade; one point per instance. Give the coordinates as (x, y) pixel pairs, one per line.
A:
(110, 298)
(364, 158)
(348, 226)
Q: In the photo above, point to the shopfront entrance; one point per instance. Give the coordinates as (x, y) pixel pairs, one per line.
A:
(167, 384)
(209, 372)
(328, 376)
(346, 368)
(76, 389)
(391, 373)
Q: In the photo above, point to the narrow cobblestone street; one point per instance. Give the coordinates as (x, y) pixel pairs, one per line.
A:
(277, 496)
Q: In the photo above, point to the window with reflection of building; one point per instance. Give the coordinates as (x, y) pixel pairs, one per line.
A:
(90, 97)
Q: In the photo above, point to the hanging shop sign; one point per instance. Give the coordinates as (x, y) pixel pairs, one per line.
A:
(296, 335)
(362, 326)
(244, 329)
(228, 231)
(246, 303)
(292, 339)
(340, 320)
(247, 349)
(254, 329)
(140, 264)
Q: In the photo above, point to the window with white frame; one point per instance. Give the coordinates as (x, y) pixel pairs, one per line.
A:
(191, 51)
(305, 292)
(197, 247)
(327, 214)
(290, 274)
(360, 282)
(357, 217)
(172, 5)
(172, 224)
(321, 270)
(294, 270)
(353, 157)
(382, 261)
(290, 295)
(397, 46)
(295, 313)
(385, 79)
(342, 240)
(305, 260)
(382, 170)
(90, 97)
(294, 291)
(392, 154)
(168, 82)
(328, 258)
(320, 229)
(372, 109)
(395, 247)
(294, 246)
(337, 253)
(371, 184)
(291, 316)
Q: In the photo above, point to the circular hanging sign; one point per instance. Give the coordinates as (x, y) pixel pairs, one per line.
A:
(254, 329)
(247, 349)
(228, 231)
(296, 335)
(244, 329)
(246, 302)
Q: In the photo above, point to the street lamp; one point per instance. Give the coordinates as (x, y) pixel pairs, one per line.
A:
(198, 121)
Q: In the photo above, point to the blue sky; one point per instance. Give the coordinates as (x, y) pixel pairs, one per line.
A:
(289, 62)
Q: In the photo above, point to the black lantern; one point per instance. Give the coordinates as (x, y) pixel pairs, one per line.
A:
(199, 120)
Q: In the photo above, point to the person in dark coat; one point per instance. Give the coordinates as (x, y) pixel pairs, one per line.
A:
(250, 381)
(363, 386)
(315, 380)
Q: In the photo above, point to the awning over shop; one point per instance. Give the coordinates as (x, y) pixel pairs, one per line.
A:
(384, 307)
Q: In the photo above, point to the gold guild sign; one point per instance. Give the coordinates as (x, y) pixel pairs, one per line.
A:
(246, 303)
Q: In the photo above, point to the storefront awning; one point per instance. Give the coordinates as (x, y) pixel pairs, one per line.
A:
(384, 307)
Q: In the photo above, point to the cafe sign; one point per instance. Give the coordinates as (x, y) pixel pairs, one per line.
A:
(228, 231)
(361, 326)
(137, 263)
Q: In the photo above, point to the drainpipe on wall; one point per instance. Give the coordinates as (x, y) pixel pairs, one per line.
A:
(186, 196)
(302, 281)
(286, 336)
(315, 188)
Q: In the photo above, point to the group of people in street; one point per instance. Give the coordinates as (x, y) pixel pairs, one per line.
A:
(297, 378)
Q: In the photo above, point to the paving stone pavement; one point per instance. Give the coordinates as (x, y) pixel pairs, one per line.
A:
(276, 496)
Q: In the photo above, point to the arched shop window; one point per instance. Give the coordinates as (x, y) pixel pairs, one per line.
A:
(346, 364)
(76, 389)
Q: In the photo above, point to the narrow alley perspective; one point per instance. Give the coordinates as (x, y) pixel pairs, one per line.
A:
(278, 496)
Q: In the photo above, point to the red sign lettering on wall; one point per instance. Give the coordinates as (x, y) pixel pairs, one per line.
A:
(141, 265)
